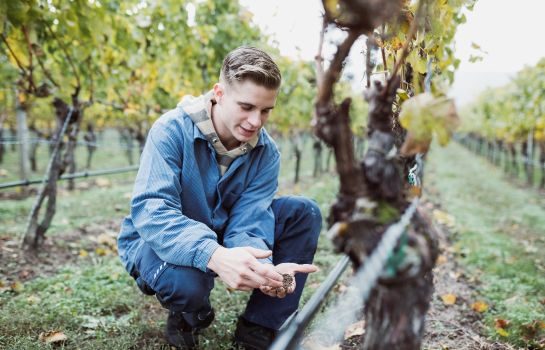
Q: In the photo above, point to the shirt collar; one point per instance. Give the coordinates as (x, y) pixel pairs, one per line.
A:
(204, 102)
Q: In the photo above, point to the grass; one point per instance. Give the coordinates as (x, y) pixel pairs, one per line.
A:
(500, 237)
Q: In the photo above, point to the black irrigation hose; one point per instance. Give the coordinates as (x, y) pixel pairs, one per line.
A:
(70, 176)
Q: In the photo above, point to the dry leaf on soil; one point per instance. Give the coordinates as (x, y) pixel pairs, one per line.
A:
(52, 337)
(106, 239)
(103, 182)
(501, 323)
(355, 329)
(449, 299)
(502, 332)
(441, 259)
(479, 306)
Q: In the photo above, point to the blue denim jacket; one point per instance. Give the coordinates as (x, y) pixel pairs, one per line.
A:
(183, 208)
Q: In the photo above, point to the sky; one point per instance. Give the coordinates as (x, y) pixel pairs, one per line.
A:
(511, 32)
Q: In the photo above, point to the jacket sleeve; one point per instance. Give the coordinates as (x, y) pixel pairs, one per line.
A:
(251, 221)
(156, 207)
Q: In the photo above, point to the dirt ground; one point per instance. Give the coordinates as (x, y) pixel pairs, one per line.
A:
(448, 327)
(56, 252)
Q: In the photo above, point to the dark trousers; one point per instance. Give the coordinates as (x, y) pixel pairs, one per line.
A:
(185, 289)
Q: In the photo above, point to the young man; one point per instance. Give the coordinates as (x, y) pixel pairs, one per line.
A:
(203, 207)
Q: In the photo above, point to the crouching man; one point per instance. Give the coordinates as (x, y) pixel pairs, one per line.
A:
(203, 207)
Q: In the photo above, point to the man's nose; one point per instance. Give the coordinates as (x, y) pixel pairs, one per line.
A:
(255, 119)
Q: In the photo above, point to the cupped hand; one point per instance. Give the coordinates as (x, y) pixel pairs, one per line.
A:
(288, 271)
(240, 268)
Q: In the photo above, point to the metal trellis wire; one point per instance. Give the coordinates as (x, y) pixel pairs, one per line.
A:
(360, 286)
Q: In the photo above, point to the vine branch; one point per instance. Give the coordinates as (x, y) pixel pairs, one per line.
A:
(405, 48)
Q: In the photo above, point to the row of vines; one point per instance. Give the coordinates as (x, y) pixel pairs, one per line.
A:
(507, 125)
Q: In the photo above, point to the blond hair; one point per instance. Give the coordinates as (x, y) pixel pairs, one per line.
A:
(250, 63)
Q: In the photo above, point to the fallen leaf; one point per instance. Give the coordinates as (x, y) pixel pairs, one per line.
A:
(441, 259)
(479, 306)
(103, 182)
(455, 274)
(52, 337)
(502, 332)
(501, 323)
(449, 299)
(355, 329)
(531, 329)
(33, 299)
(101, 251)
(4, 286)
(107, 240)
(16, 286)
(83, 253)
(444, 218)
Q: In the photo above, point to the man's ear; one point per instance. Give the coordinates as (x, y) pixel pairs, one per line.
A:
(219, 91)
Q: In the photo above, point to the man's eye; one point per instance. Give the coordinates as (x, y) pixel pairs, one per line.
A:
(246, 108)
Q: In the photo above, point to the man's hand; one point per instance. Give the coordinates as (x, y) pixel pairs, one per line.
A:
(288, 270)
(240, 269)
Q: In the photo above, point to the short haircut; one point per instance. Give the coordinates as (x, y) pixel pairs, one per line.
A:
(250, 63)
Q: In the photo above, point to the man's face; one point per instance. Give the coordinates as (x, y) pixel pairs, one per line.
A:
(242, 109)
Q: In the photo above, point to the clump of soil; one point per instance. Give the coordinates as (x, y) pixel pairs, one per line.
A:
(287, 283)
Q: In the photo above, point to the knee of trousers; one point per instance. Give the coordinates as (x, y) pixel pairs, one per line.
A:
(184, 289)
(303, 224)
(309, 214)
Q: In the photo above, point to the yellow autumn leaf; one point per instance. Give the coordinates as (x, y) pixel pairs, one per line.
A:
(16, 286)
(479, 306)
(449, 299)
(83, 253)
(502, 332)
(101, 251)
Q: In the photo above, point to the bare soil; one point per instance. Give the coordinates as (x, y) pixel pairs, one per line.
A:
(57, 251)
(448, 327)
